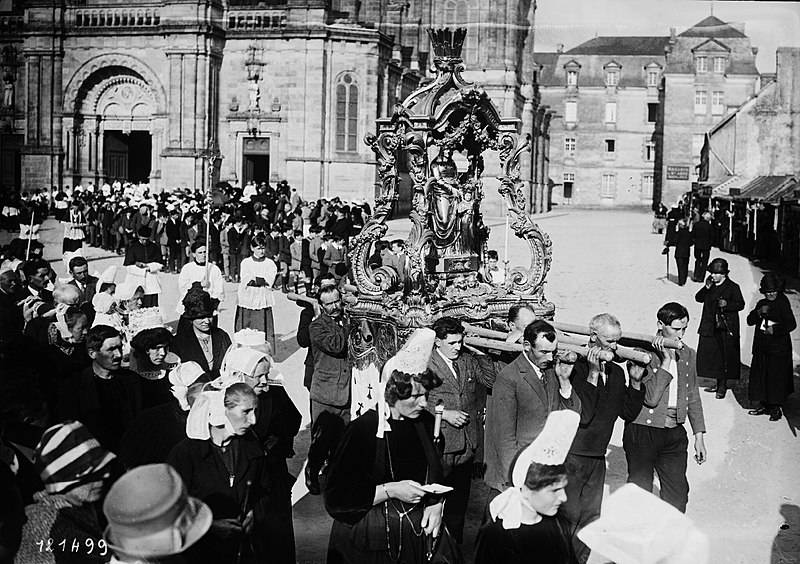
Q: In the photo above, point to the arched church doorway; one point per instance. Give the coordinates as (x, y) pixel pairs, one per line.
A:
(128, 155)
(117, 121)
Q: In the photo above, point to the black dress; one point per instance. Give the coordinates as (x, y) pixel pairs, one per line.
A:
(207, 477)
(771, 372)
(363, 533)
(546, 542)
(277, 425)
(718, 346)
(153, 435)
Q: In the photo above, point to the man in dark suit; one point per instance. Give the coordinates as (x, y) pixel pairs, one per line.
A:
(330, 385)
(702, 236)
(85, 282)
(525, 392)
(173, 228)
(462, 373)
(343, 226)
(604, 396)
(34, 297)
(681, 239)
(104, 397)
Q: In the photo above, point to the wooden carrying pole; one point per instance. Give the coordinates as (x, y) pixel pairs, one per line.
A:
(300, 298)
(580, 346)
(484, 343)
(580, 330)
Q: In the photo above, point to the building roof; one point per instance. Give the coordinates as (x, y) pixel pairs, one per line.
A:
(622, 45)
(768, 188)
(723, 186)
(712, 27)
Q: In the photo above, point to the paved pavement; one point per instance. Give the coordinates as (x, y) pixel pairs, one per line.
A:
(602, 261)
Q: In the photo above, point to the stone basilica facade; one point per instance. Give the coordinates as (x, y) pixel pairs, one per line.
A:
(282, 89)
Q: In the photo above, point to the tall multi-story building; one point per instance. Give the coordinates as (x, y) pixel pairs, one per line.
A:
(711, 70)
(284, 89)
(607, 93)
(632, 111)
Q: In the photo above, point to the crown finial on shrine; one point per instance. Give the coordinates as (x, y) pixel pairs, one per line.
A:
(447, 45)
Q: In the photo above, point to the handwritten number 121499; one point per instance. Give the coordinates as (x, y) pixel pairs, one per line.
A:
(75, 545)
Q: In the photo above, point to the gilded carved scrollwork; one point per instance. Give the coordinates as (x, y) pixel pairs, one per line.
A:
(369, 282)
(523, 280)
(436, 141)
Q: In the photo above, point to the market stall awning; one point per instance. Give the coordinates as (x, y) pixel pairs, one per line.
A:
(722, 188)
(768, 189)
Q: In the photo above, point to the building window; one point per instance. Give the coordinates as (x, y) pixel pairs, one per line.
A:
(719, 64)
(652, 78)
(702, 64)
(608, 188)
(346, 114)
(612, 78)
(647, 187)
(571, 112)
(611, 145)
(717, 103)
(570, 143)
(650, 151)
(611, 112)
(700, 102)
(652, 112)
(465, 13)
(572, 78)
(569, 184)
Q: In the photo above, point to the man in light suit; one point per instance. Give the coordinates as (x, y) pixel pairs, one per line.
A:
(462, 374)
(525, 392)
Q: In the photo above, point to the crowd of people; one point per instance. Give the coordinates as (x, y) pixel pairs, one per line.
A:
(121, 441)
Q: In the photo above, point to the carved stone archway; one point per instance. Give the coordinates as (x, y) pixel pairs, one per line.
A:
(124, 95)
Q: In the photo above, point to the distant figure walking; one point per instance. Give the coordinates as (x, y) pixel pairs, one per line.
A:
(660, 218)
(681, 239)
(702, 236)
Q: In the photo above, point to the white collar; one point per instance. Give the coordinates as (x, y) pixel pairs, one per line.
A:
(450, 363)
(536, 369)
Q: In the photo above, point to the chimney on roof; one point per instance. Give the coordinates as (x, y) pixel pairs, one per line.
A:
(787, 61)
(755, 51)
(560, 48)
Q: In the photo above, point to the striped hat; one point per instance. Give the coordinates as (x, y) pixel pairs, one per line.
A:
(68, 456)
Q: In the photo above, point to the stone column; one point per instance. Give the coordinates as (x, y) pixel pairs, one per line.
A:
(526, 166)
(174, 103)
(91, 150)
(202, 90)
(189, 101)
(69, 147)
(155, 157)
(535, 149)
(33, 63)
(101, 173)
(546, 195)
(540, 161)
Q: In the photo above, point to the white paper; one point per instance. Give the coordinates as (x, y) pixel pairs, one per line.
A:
(436, 488)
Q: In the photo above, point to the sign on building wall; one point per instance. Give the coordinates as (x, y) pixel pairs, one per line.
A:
(677, 172)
